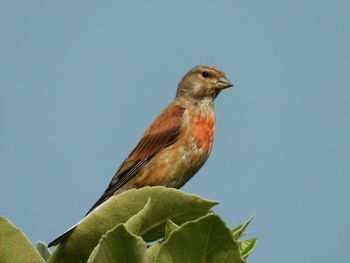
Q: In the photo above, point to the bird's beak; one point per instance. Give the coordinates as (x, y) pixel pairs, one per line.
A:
(224, 83)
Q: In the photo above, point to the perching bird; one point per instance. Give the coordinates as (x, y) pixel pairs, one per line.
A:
(177, 143)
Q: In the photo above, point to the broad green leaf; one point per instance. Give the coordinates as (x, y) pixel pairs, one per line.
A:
(165, 203)
(246, 246)
(205, 240)
(170, 227)
(136, 224)
(239, 230)
(120, 246)
(15, 246)
(43, 250)
(152, 251)
(168, 203)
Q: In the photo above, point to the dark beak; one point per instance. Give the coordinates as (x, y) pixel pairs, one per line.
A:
(224, 83)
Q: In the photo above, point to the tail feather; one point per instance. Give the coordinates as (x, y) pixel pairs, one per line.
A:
(101, 200)
(69, 231)
(62, 237)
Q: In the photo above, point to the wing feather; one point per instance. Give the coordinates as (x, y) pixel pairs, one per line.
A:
(164, 131)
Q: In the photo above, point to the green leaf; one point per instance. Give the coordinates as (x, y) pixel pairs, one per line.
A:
(165, 203)
(15, 246)
(43, 250)
(233, 231)
(239, 230)
(137, 223)
(119, 245)
(152, 251)
(246, 246)
(170, 227)
(206, 240)
(169, 203)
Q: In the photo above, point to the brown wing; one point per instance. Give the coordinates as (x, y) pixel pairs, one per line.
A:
(163, 132)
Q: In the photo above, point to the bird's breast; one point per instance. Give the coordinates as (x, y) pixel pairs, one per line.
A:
(202, 129)
(177, 163)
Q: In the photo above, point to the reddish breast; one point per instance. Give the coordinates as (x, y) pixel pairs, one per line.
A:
(204, 129)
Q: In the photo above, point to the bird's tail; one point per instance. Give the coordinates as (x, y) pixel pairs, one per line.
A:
(101, 200)
(55, 242)
(62, 237)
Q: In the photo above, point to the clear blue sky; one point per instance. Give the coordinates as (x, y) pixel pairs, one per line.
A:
(81, 80)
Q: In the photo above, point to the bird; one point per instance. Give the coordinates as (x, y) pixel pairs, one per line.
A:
(177, 143)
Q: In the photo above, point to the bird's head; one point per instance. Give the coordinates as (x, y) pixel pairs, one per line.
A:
(202, 82)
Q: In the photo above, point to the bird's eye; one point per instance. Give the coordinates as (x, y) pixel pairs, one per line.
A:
(205, 74)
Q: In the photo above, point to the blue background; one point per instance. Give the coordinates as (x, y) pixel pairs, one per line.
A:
(81, 80)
